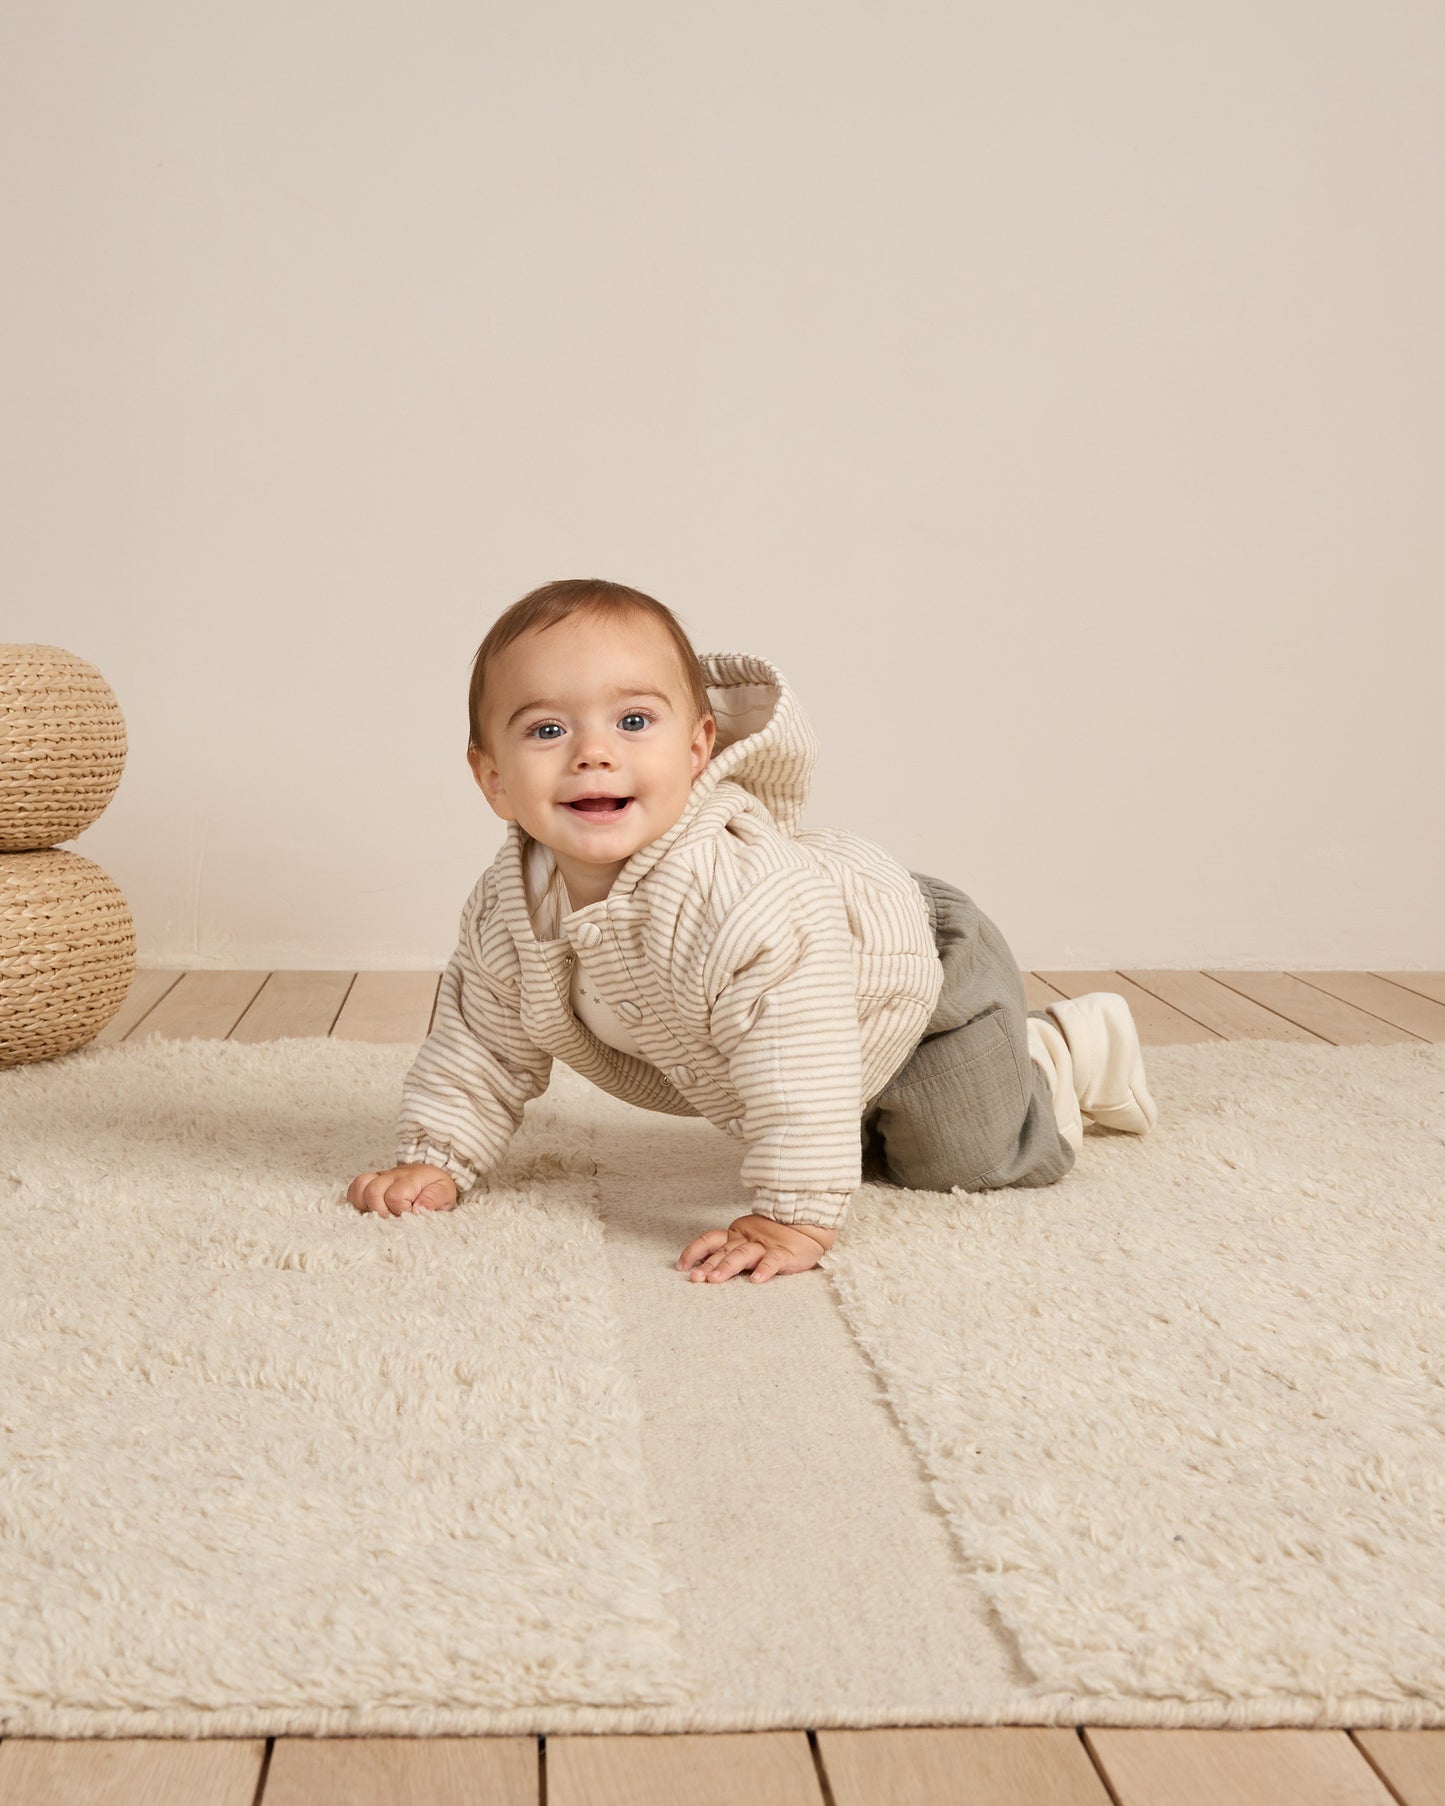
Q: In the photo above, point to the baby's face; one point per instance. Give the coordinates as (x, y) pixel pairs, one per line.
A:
(589, 706)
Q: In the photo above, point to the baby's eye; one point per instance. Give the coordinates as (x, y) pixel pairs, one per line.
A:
(641, 715)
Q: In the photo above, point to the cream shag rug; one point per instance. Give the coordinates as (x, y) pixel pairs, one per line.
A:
(1162, 1444)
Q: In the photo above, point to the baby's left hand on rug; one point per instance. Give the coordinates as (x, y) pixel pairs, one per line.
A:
(757, 1242)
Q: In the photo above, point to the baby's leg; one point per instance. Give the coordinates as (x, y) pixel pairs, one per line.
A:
(969, 1107)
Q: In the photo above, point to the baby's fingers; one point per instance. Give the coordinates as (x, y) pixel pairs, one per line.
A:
(739, 1256)
(379, 1193)
(701, 1246)
(365, 1192)
(437, 1194)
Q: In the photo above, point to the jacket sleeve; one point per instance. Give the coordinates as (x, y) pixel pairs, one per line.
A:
(463, 1096)
(783, 1010)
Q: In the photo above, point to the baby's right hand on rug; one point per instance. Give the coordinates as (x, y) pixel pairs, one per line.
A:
(413, 1186)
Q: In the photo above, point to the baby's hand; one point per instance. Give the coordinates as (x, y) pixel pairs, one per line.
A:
(412, 1186)
(757, 1242)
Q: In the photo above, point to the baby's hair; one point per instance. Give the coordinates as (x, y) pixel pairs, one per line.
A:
(594, 596)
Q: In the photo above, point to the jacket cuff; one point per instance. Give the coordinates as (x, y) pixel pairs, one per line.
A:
(464, 1176)
(825, 1209)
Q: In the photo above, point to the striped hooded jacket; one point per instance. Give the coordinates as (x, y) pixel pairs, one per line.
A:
(775, 976)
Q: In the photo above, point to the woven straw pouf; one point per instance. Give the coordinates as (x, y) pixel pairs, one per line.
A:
(62, 746)
(67, 953)
(67, 941)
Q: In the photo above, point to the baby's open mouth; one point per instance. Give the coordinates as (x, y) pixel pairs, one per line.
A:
(600, 805)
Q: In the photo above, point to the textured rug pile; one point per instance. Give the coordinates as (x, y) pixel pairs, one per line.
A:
(1162, 1444)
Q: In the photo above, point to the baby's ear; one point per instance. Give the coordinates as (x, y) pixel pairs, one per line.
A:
(489, 780)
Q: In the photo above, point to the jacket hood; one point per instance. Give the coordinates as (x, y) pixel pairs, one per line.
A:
(764, 741)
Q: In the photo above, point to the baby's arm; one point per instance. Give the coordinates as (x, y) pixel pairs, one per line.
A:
(783, 1009)
(464, 1094)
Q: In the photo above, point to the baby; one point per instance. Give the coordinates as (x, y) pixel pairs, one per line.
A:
(659, 920)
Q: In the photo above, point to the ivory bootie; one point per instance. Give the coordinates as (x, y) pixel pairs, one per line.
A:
(1049, 1049)
(1108, 1067)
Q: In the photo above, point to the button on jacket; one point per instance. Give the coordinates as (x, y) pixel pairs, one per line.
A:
(775, 977)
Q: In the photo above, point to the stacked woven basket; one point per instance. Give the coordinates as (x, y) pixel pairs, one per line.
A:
(67, 940)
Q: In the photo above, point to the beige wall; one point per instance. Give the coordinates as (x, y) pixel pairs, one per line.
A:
(1056, 393)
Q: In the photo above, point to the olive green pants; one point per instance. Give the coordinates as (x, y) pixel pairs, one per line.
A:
(968, 1107)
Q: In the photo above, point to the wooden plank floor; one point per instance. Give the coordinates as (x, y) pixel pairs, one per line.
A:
(1010, 1765)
